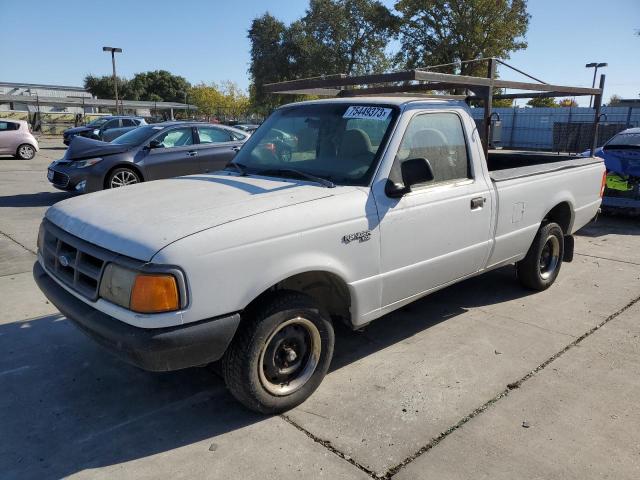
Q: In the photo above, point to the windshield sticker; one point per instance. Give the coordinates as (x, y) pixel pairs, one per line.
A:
(366, 112)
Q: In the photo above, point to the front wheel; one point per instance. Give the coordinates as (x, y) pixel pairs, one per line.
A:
(25, 152)
(280, 354)
(121, 177)
(540, 268)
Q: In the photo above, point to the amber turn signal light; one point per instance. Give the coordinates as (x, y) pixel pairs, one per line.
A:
(154, 294)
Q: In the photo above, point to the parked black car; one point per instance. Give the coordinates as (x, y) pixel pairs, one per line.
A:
(150, 152)
(104, 128)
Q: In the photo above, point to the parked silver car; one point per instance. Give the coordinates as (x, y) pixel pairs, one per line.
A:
(16, 139)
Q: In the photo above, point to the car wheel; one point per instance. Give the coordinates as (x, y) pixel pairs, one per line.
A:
(121, 177)
(280, 354)
(540, 267)
(25, 152)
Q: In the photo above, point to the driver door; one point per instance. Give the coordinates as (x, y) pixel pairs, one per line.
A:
(174, 155)
(440, 231)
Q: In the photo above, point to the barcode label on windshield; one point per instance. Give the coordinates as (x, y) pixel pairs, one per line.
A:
(370, 113)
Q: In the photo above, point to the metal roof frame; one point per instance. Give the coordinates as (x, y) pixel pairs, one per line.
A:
(424, 80)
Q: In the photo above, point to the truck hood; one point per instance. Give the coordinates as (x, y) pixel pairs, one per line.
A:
(82, 147)
(139, 220)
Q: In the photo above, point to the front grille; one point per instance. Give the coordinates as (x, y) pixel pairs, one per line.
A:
(60, 179)
(73, 261)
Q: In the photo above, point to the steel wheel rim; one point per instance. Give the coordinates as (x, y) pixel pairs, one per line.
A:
(290, 356)
(123, 178)
(549, 257)
(26, 151)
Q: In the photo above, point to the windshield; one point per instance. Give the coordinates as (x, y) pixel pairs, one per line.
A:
(137, 135)
(98, 122)
(335, 141)
(625, 140)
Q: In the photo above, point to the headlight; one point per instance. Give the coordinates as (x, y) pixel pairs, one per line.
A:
(41, 238)
(139, 291)
(85, 163)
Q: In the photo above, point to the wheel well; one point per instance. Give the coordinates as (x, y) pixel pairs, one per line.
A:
(130, 166)
(327, 289)
(562, 215)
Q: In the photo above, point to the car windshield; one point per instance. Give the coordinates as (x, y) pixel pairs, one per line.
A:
(98, 122)
(137, 135)
(339, 142)
(625, 140)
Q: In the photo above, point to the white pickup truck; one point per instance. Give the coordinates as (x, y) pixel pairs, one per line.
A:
(334, 210)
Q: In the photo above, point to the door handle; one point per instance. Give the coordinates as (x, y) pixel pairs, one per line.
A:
(477, 203)
(235, 149)
(192, 153)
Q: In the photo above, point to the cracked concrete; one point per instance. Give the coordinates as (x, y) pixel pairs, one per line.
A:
(439, 389)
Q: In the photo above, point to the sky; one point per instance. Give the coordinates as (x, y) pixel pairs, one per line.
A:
(206, 41)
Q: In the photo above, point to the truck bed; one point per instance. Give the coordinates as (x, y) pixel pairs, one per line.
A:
(509, 164)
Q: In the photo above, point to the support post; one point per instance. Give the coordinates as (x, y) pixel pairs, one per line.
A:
(488, 100)
(597, 105)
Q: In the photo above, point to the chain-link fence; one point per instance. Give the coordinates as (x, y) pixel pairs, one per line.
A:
(561, 129)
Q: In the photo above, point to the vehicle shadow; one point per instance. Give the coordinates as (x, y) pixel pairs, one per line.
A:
(68, 406)
(40, 199)
(611, 224)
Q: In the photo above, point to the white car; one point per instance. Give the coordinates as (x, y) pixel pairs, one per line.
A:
(16, 139)
(379, 201)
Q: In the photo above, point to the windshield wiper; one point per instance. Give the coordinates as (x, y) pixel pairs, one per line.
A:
(242, 169)
(308, 176)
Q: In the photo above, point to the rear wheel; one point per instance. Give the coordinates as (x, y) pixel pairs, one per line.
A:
(121, 177)
(540, 268)
(280, 354)
(25, 152)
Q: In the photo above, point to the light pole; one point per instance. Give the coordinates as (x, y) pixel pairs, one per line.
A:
(595, 66)
(113, 51)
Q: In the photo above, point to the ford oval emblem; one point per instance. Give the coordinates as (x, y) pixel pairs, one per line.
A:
(64, 261)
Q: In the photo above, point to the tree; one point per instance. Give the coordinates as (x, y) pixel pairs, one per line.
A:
(207, 98)
(102, 87)
(224, 100)
(614, 100)
(334, 36)
(542, 102)
(567, 102)
(446, 31)
(158, 86)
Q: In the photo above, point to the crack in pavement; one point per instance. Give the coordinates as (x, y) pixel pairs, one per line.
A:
(18, 243)
(435, 441)
(610, 259)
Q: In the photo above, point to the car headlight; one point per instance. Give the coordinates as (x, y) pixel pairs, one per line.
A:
(40, 242)
(85, 163)
(140, 292)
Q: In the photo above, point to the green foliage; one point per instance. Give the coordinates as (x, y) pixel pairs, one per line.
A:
(102, 87)
(334, 36)
(156, 86)
(542, 102)
(567, 102)
(437, 32)
(221, 100)
(159, 86)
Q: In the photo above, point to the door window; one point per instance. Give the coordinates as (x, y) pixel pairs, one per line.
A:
(213, 135)
(178, 137)
(111, 124)
(5, 126)
(439, 138)
(127, 122)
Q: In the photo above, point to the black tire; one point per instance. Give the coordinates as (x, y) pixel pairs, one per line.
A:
(540, 268)
(122, 176)
(25, 152)
(262, 340)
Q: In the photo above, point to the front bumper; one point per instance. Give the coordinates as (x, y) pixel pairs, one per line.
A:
(153, 349)
(69, 179)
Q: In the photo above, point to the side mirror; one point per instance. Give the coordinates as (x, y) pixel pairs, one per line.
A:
(154, 144)
(414, 172)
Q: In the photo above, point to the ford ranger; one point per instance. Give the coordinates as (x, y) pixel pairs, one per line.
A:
(342, 209)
